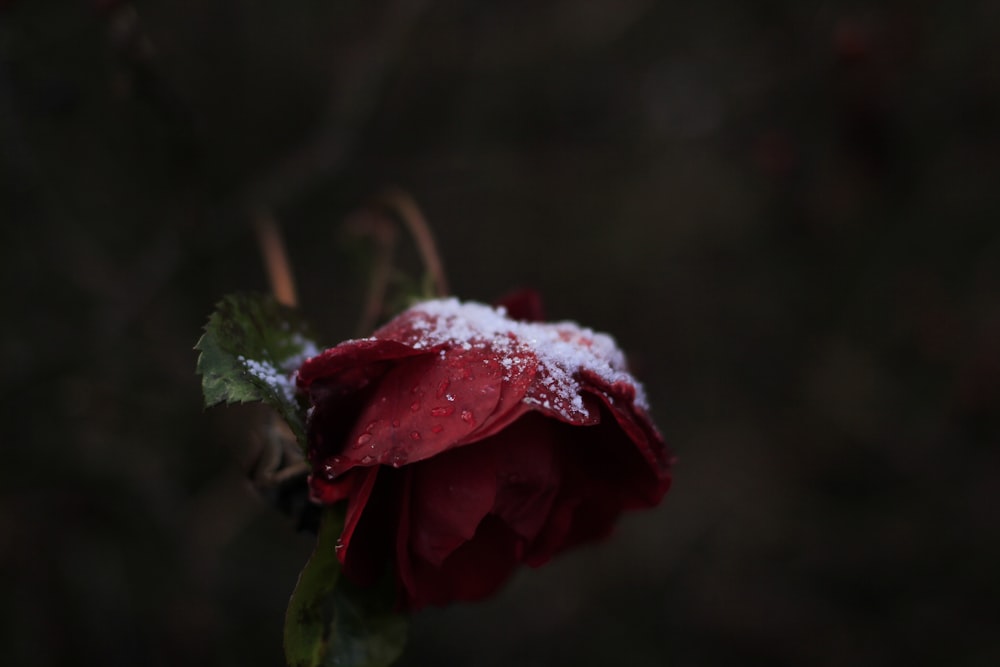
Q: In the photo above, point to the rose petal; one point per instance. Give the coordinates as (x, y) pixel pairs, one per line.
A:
(578, 410)
(527, 474)
(370, 523)
(619, 400)
(602, 472)
(404, 559)
(472, 572)
(517, 378)
(525, 305)
(356, 556)
(339, 382)
(421, 408)
(329, 491)
(551, 538)
(450, 496)
(354, 363)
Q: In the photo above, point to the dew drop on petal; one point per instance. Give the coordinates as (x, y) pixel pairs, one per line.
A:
(364, 439)
(414, 435)
(442, 411)
(442, 388)
(414, 406)
(367, 460)
(467, 417)
(395, 423)
(437, 428)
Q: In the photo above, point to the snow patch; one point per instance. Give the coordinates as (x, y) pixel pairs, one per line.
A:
(281, 376)
(562, 349)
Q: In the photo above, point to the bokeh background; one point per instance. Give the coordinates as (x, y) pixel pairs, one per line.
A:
(786, 212)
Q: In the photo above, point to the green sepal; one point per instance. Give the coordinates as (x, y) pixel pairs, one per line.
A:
(330, 621)
(251, 347)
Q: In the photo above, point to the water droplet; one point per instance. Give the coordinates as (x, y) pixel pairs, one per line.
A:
(395, 423)
(414, 435)
(443, 387)
(366, 460)
(450, 397)
(414, 406)
(364, 439)
(442, 411)
(467, 417)
(397, 458)
(437, 428)
(339, 545)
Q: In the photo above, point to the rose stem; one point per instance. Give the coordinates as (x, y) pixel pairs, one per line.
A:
(272, 249)
(406, 209)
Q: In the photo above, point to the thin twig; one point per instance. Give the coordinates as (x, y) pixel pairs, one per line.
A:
(405, 208)
(272, 249)
(371, 222)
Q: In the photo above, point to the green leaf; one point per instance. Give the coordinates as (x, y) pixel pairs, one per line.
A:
(250, 348)
(333, 622)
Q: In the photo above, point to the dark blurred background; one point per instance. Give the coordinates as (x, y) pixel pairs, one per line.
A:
(786, 212)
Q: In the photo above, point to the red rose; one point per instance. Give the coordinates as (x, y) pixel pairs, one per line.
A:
(466, 442)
